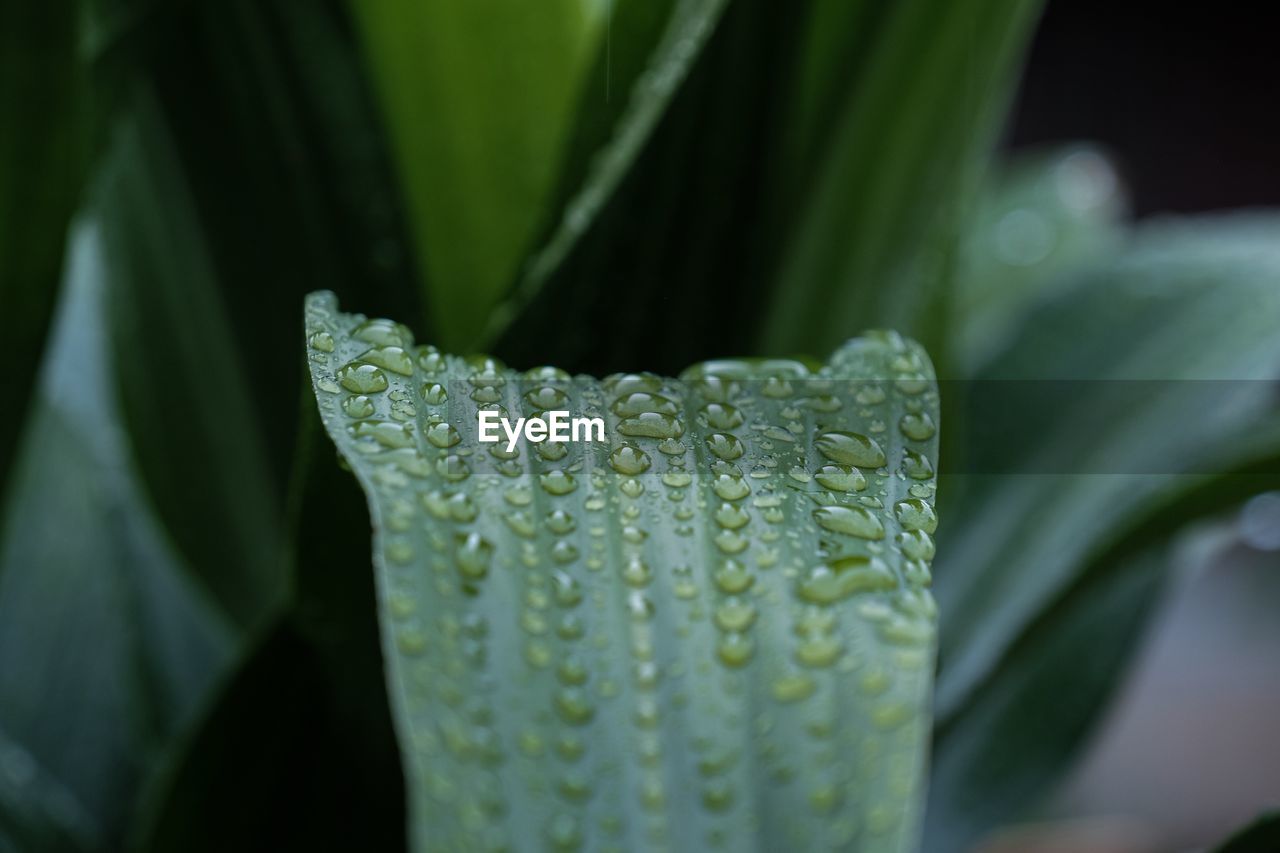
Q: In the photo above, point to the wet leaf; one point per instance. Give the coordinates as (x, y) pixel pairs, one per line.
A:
(683, 632)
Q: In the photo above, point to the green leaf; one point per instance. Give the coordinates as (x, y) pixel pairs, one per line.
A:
(807, 177)
(41, 166)
(1258, 837)
(229, 208)
(107, 642)
(679, 634)
(657, 44)
(182, 382)
(875, 214)
(1133, 401)
(314, 677)
(479, 101)
(1040, 219)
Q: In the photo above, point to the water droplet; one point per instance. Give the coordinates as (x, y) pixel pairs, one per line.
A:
(574, 706)
(915, 514)
(547, 373)
(916, 544)
(629, 460)
(731, 516)
(520, 523)
(486, 394)
(916, 465)
(735, 615)
(776, 388)
(628, 383)
(560, 522)
(568, 590)
(824, 403)
(725, 446)
(837, 579)
(818, 651)
(430, 360)
(553, 451)
(718, 796)
(547, 397)
(793, 688)
(642, 402)
(731, 487)
(380, 332)
(841, 478)
(735, 649)
(564, 552)
(453, 468)
(652, 425)
(362, 378)
(730, 542)
(391, 358)
(322, 341)
(733, 578)
(443, 435)
(358, 406)
(722, 415)
(917, 426)
(850, 520)
(384, 433)
(474, 555)
(637, 573)
(850, 448)
(677, 479)
(557, 482)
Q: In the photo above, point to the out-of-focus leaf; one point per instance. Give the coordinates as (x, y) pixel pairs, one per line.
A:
(1134, 401)
(1038, 220)
(874, 218)
(181, 377)
(245, 168)
(1261, 836)
(811, 150)
(992, 762)
(41, 165)
(317, 677)
(479, 99)
(107, 643)
(657, 45)
(675, 636)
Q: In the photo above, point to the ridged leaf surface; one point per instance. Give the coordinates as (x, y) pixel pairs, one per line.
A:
(710, 630)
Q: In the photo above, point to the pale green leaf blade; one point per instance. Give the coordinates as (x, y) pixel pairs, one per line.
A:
(478, 98)
(652, 641)
(1137, 398)
(1179, 331)
(1039, 220)
(108, 641)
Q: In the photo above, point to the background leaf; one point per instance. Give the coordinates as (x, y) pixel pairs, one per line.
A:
(42, 91)
(107, 642)
(791, 190)
(479, 101)
(656, 639)
(1040, 218)
(1119, 433)
(314, 677)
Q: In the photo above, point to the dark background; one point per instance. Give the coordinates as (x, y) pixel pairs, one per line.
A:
(1185, 97)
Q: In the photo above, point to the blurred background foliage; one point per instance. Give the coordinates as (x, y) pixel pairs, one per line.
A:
(188, 646)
